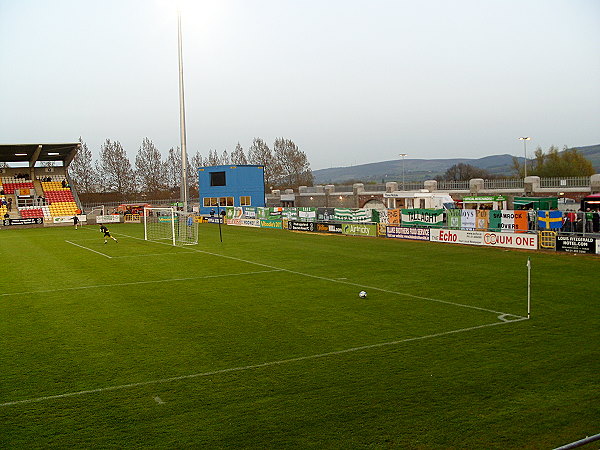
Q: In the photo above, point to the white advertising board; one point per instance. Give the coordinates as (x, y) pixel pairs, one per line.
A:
(69, 219)
(487, 238)
(110, 218)
(244, 222)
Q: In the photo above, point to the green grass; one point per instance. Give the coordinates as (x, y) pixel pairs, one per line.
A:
(262, 341)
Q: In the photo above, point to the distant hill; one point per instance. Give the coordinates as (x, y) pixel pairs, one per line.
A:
(427, 169)
(592, 152)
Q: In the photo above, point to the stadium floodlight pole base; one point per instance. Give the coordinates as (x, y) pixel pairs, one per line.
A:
(170, 225)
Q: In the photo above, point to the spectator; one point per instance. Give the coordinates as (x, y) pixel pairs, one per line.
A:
(9, 204)
(571, 219)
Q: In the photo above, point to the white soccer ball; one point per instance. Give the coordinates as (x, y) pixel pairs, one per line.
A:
(362, 294)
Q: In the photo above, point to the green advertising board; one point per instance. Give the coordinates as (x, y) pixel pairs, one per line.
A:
(353, 215)
(359, 229)
(423, 217)
(271, 223)
(483, 198)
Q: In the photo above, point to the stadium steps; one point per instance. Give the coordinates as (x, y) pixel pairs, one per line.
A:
(38, 188)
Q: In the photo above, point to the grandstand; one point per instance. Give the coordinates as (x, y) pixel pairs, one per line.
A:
(34, 181)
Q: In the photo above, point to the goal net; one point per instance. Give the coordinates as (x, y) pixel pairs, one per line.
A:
(170, 225)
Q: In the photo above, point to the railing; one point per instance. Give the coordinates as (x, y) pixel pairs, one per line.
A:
(565, 182)
(504, 183)
(411, 186)
(452, 185)
(371, 188)
(348, 188)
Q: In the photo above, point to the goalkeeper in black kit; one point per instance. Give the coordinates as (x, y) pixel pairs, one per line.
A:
(104, 230)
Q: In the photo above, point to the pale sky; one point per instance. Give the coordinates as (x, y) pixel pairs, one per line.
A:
(349, 81)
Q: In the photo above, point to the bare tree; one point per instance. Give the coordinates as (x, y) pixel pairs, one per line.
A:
(464, 172)
(260, 153)
(293, 165)
(149, 169)
(82, 172)
(197, 162)
(116, 172)
(237, 156)
(172, 169)
(224, 157)
(213, 158)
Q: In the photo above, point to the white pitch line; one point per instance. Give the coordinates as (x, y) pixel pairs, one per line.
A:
(341, 281)
(251, 367)
(150, 254)
(131, 283)
(81, 246)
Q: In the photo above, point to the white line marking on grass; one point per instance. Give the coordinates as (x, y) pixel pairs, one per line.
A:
(91, 250)
(253, 366)
(152, 254)
(158, 400)
(334, 280)
(96, 286)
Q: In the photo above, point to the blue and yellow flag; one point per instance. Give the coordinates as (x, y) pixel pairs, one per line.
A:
(548, 220)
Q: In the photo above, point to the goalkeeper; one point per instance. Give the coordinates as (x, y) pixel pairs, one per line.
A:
(104, 230)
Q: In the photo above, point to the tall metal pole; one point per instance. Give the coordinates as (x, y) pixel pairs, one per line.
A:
(528, 288)
(403, 155)
(184, 182)
(525, 139)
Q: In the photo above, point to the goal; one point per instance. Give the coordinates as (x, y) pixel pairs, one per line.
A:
(170, 225)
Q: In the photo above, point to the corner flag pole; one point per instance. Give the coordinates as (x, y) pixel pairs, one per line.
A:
(528, 288)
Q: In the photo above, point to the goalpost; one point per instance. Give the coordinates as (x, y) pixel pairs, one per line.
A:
(170, 225)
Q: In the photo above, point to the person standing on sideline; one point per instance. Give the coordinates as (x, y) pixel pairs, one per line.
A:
(75, 220)
(104, 230)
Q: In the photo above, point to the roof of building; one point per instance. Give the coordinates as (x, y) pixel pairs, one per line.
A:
(32, 153)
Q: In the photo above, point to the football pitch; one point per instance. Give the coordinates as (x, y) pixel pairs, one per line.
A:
(262, 341)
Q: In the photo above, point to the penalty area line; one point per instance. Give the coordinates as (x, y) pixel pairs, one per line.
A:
(86, 248)
(252, 366)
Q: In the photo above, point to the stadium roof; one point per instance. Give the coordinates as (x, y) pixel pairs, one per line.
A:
(32, 153)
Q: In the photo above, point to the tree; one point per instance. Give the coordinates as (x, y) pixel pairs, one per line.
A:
(172, 169)
(213, 158)
(197, 162)
(259, 153)
(293, 165)
(82, 172)
(115, 169)
(568, 163)
(238, 157)
(224, 157)
(149, 168)
(464, 172)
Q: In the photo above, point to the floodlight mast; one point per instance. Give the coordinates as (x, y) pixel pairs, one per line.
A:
(525, 139)
(184, 183)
